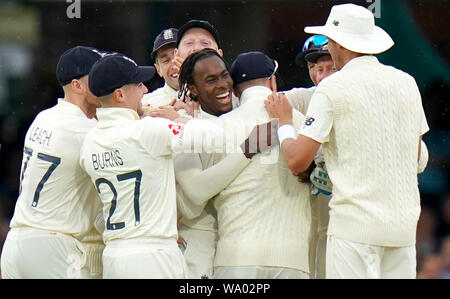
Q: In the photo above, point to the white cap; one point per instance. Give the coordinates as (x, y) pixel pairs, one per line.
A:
(353, 27)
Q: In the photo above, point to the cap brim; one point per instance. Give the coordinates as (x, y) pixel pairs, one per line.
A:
(143, 74)
(312, 57)
(378, 42)
(300, 58)
(153, 54)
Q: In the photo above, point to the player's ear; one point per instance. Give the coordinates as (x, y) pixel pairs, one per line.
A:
(118, 96)
(273, 83)
(75, 84)
(193, 90)
(220, 52)
(236, 92)
(158, 69)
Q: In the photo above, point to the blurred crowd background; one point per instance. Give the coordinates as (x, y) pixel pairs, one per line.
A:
(34, 33)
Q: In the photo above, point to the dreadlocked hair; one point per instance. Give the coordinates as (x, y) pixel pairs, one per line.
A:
(186, 76)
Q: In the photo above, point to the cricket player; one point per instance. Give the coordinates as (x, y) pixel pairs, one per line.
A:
(368, 117)
(130, 163)
(264, 215)
(196, 225)
(299, 98)
(316, 58)
(162, 55)
(198, 231)
(57, 202)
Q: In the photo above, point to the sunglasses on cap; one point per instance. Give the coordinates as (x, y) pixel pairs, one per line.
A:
(314, 41)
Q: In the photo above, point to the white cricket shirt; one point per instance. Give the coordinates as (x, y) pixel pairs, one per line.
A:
(55, 193)
(130, 162)
(299, 98)
(159, 97)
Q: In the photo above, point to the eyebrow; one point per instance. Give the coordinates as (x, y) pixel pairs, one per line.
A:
(214, 75)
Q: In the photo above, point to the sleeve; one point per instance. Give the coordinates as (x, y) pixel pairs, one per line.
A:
(424, 124)
(423, 159)
(298, 119)
(319, 118)
(159, 134)
(199, 135)
(199, 184)
(299, 98)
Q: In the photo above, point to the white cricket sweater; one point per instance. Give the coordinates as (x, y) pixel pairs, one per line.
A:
(371, 153)
(264, 215)
(159, 97)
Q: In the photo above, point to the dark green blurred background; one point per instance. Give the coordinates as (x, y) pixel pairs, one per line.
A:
(33, 34)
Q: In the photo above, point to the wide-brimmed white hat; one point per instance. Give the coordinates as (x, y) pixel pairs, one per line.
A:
(353, 27)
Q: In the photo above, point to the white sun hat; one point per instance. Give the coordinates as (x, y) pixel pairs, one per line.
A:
(353, 27)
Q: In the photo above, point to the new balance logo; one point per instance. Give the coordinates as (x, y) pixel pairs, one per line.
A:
(309, 121)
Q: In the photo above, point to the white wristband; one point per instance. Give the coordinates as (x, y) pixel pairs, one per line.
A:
(286, 131)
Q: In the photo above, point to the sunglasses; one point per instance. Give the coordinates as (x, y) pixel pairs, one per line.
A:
(314, 41)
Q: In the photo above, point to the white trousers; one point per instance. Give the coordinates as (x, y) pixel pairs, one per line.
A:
(351, 260)
(258, 272)
(321, 245)
(30, 253)
(143, 258)
(200, 249)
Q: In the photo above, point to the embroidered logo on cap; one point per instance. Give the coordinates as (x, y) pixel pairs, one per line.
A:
(168, 34)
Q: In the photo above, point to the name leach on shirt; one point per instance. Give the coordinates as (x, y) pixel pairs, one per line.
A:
(40, 136)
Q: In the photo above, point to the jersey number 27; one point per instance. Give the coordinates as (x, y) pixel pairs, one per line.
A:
(137, 175)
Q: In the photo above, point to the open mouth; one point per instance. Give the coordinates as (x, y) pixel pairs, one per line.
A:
(174, 76)
(225, 97)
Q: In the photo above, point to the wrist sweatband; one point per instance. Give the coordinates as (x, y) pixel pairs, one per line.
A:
(286, 131)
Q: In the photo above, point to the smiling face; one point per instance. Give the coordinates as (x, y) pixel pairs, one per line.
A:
(212, 86)
(164, 65)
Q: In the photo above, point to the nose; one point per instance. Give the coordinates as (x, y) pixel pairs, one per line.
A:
(197, 47)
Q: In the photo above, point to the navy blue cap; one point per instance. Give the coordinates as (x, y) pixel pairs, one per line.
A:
(198, 24)
(252, 65)
(75, 63)
(166, 37)
(315, 55)
(114, 71)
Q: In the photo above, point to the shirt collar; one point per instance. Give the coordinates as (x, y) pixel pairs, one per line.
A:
(359, 61)
(68, 106)
(112, 115)
(205, 115)
(259, 93)
(169, 90)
